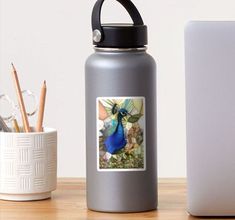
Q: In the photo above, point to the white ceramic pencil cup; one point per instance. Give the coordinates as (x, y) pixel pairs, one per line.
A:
(28, 165)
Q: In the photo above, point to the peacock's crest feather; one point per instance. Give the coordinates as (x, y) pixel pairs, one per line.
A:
(133, 106)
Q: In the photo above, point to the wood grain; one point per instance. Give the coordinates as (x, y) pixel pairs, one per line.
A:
(69, 202)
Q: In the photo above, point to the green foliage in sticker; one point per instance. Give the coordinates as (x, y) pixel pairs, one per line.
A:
(134, 118)
(124, 160)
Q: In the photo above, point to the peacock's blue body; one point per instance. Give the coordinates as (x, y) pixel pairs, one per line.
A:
(116, 141)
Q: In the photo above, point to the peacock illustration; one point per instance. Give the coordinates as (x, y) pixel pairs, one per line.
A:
(116, 141)
(114, 114)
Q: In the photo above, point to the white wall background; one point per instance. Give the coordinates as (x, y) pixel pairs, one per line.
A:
(50, 39)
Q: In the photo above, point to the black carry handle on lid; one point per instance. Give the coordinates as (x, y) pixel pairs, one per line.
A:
(96, 16)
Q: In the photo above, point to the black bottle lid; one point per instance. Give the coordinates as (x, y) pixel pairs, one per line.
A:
(119, 35)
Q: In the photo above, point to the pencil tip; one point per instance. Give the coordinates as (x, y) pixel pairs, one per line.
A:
(44, 82)
(13, 66)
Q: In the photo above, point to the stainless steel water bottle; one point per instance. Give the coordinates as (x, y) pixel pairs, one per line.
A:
(120, 117)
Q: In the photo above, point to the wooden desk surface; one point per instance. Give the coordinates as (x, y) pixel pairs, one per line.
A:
(69, 202)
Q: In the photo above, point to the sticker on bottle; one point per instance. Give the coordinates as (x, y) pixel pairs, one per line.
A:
(121, 134)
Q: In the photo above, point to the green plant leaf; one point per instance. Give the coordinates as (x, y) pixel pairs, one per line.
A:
(134, 118)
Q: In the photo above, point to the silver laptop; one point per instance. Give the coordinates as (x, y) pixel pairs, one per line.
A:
(210, 109)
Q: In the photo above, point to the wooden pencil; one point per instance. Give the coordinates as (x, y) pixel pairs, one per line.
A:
(20, 100)
(16, 126)
(39, 126)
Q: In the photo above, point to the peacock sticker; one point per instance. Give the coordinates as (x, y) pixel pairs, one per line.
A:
(121, 133)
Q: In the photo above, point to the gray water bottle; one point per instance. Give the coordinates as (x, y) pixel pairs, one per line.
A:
(120, 117)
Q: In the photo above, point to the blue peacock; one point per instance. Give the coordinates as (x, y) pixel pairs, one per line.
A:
(116, 141)
(120, 112)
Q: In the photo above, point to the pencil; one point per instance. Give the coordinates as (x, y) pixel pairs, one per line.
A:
(16, 126)
(41, 107)
(20, 100)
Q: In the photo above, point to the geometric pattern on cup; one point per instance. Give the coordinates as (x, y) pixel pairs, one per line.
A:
(28, 162)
